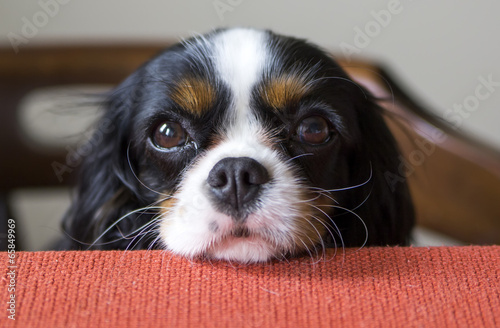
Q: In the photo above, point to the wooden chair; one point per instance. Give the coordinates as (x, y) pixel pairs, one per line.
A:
(455, 181)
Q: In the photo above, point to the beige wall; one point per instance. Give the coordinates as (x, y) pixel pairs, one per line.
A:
(440, 48)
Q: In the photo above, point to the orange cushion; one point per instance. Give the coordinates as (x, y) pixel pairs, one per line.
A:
(372, 287)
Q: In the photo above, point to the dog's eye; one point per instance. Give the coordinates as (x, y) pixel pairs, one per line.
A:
(313, 130)
(169, 135)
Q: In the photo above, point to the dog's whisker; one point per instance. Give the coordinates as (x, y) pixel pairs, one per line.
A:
(317, 258)
(360, 219)
(330, 232)
(306, 247)
(310, 200)
(350, 187)
(148, 229)
(153, 243)
(299, 156)
(335, 244)
(335, 227)
(321, 193)
(137, 178)
(114, 224)
(143, 233)
(130, 235)
(320, 237)
(354, 208)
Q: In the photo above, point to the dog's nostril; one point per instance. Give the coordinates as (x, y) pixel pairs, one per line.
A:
(235, 183)
(218, 180)
(246, 178)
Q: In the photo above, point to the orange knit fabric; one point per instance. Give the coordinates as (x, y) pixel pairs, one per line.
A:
(372, 287)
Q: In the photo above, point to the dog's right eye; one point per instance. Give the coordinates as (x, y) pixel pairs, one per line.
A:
(169, 135)
(314, 130)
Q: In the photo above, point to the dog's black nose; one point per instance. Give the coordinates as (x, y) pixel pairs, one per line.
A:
(234, 183)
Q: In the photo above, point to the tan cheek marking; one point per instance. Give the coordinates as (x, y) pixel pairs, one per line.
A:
(194, 95)
(166, 206)
(168, 203)
(284, 90)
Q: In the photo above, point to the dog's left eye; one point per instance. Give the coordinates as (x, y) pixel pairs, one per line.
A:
(313, 130)
(169, 135)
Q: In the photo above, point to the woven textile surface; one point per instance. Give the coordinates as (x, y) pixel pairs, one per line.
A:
(371, 287)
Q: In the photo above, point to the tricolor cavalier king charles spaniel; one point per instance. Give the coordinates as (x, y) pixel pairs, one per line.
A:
(240, 145)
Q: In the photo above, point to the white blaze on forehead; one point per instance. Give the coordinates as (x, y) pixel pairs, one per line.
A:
(240, 58)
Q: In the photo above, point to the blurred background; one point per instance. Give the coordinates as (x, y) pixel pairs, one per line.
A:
(442, 51)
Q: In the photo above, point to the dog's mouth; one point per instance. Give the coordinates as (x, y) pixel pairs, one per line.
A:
(240, 232)
(242, 244)
(237, 231)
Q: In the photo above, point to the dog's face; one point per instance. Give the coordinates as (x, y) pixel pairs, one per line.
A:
(242, 145)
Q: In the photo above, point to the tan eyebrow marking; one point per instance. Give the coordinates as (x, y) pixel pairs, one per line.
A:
(284, 90)
(194, 95)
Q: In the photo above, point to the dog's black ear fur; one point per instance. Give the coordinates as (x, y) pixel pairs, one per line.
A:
(107, 187)
(388, 211)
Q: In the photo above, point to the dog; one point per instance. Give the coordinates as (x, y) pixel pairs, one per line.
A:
(240, 145)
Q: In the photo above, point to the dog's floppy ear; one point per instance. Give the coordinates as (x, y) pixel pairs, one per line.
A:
(388, 210)
(107, 188)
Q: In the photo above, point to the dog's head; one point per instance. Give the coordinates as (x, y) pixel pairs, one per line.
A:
(241, 145)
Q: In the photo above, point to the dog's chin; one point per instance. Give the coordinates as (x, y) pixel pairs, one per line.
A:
(237, 244)
(247, 249)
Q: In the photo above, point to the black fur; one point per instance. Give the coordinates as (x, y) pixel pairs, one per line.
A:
(123, 172)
